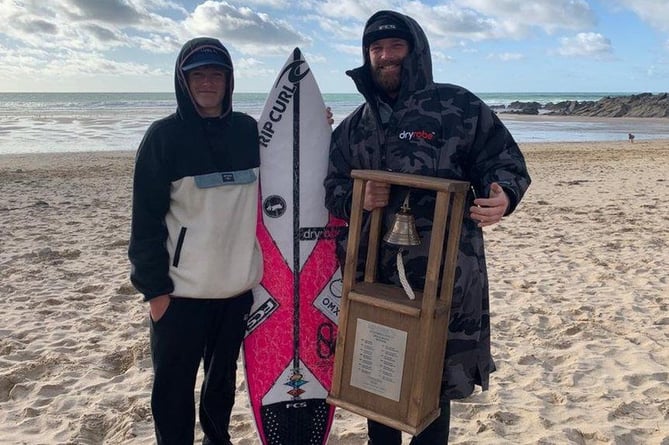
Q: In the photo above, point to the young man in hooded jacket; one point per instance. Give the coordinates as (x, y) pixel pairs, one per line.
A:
(193, 246)
(411, 124)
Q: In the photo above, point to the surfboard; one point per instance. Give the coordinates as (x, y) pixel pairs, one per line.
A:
(291, 332)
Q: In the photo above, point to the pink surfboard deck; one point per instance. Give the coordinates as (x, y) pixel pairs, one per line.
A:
(290, 341)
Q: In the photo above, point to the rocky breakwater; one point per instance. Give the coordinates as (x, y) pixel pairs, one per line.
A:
(637, 105)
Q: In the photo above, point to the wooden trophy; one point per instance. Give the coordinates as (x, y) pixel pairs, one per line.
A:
(390, 349)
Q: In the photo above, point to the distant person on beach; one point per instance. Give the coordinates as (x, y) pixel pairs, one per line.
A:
(193, 246)
(630, 136)
(411, 124)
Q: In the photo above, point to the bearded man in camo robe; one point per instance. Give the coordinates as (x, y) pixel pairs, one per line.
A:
(411, 124)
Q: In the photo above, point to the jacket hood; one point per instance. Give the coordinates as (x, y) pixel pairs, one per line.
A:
(417, 66)
(185, 104)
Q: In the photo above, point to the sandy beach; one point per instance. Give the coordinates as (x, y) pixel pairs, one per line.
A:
(579, 279)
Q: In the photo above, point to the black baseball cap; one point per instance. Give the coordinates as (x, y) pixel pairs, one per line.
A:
(206, 56)
(385, 27)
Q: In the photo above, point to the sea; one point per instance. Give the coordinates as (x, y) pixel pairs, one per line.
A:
(76, 122)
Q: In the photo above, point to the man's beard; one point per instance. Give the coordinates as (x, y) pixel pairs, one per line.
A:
(387, 82)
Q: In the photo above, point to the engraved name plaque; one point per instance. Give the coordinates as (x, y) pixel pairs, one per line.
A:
(378, 359)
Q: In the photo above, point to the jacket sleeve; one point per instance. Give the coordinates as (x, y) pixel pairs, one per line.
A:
(147, 251)
(496, 157)
(338, 183)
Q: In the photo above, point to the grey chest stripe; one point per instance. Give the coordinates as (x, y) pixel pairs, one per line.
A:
(225, 178)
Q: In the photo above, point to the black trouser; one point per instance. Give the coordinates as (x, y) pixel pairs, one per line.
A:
(435, 434)
(193, 330)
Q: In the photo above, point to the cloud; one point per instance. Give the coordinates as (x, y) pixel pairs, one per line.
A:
(62, 37)
(252, 67)
(445, 25)
(159, 43)
(24, 62)
(353, 50)
(448, 24)
(358, 10)
(333, 30)
(249, 63)
(70, 43)
(438, 55)
(108, 11)
(37, 26)
(80, 24)
(517, 17)
(251, 32)
(50, 38)
(653, 12)
(67, 66)
(276, 4)
(102, 34)
(314, 58)
(585, 44)
(506, 57)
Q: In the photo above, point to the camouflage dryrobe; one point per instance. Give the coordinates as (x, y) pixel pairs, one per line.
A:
(435, 130)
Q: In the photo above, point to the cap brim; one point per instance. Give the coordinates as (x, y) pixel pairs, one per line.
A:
(373, 36)
(194, 65)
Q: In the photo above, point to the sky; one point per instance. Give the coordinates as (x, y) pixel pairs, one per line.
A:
(483, 45)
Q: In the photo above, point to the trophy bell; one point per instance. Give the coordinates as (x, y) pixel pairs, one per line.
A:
(403, 231)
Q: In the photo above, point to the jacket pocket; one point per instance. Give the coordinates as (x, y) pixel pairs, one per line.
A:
(177, 250)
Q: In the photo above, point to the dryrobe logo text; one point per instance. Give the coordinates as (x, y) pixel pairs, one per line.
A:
(293, 74)
(274, 206)
(316, 233)
(416, 135)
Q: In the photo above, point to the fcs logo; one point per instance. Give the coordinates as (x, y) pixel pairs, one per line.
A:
(416, 135)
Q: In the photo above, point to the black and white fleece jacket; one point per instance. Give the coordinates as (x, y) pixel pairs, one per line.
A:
(195, 197)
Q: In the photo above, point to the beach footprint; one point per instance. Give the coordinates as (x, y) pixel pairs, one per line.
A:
(92, 429)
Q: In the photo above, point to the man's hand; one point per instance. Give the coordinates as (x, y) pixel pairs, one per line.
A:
(329, 115)
(489, 211)
(376, 195)
(158, 306)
